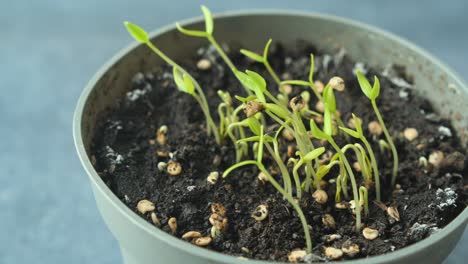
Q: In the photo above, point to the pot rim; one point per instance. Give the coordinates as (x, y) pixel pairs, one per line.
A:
(133, 218)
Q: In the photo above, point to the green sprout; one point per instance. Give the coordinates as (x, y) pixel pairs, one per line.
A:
(208, 34)
(184, 81)
(372, 92)
(258, 162)
(359, 135)
(301, 174)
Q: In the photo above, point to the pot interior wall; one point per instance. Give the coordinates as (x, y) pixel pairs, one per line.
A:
(431, 79)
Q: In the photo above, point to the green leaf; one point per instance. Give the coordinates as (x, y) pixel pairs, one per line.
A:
(313, 154)
(365, 85)
(277, 110)
(265, 50)
(179, 81)
(209, 25)
(358, 125)
(259, 80)
(375, 89)
(312, 66)
(316, 132)
(193, 33)
(296, 82)
(137, 32)
(189, 87)
(254, 125)
(329, 98)
(252, 55)
(253, 84)
(350, 132)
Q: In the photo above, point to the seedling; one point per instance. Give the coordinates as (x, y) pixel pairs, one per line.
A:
(307, 169)
(184, 81)
(208, 34)
(372, 92)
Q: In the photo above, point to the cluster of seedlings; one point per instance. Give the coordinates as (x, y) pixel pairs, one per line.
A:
(312, 154)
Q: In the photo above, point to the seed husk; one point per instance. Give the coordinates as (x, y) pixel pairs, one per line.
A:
(290, 151)
(369, 233)
(288, 135)
(393, 213)
(174, 168)
(155, 219)
(219, 209)
(319, 106)
(337, 83)
(350, 249)
(330, 238)
(262, 177)
(357, 166)
(192, 234)
(320, 196)
(202, 241)
(286, 88)
(145, 206)
(297, 255)
(212, 177)
(297, 103)
(219, 222)
(436, 158)
(162, 165)
(252, 107)
(161, 136)
(172, 223)
(333, 253)
(341, 205)
(318, 85)
(204, 64)
(260, 213)
(328, 221)
(375, 128)
(162, 154)
(410, 133)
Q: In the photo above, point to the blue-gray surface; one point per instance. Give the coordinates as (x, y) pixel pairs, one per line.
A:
(48, 51)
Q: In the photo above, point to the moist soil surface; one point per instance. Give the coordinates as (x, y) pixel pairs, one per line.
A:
(126, 155)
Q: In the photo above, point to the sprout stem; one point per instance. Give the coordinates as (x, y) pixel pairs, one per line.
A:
(374, 167)
(390, 142)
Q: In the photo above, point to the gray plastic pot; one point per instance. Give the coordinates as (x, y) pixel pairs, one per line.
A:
(141, 242)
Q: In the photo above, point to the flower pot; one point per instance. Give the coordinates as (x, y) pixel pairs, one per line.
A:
(141, 242)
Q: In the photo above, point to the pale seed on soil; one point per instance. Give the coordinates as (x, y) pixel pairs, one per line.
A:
(328, 221)
(375, 128)
(369, 233)
(320, 196)
(162, 165)
(350, 249)
(260, 213)
(174, 168)
(219, 209)
(155, 219)
(436, 158)
(191, 234)
(318, 85)
(297, 255)
(410, 133)
(172, 223)
(204, 64)
(262, 177)
(145, 206)
(212, 177)
(202, 241)
(333, 253)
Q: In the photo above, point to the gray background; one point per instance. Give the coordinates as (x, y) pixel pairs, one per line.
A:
(50, 49)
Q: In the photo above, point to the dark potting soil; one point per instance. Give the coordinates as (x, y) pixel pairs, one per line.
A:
(126, 156)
